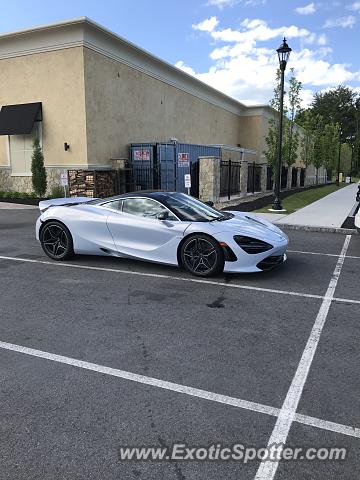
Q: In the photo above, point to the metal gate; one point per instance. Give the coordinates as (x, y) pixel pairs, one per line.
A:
(302, 177)
(269, 178)
(254, 178)
(284, 174)
(229, 178)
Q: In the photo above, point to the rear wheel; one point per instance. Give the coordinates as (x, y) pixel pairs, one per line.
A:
(56, 241)
(202, 256)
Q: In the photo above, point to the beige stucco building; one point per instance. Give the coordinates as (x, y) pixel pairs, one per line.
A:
(98, 93)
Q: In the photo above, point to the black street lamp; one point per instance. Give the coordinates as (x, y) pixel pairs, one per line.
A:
(283, 53)
(339, 159)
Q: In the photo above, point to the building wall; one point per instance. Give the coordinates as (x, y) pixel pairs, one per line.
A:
(124, 105)
(253, 129)
(56, 79)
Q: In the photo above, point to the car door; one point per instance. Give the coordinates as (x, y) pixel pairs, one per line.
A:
(137, 232)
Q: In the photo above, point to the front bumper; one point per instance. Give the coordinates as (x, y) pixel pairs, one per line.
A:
(248, 263)
(271, 262)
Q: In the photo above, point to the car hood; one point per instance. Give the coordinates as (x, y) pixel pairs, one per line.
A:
(245, 223)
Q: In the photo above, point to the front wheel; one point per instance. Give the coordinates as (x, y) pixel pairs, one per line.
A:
(56, 241)
(202, 256)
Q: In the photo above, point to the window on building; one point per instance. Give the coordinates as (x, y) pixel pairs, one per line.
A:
(21, 149)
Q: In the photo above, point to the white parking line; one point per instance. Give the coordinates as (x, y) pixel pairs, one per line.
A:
(155, 382)
(323, 254)
(326, 425)
(267, 470)
(183, 389)
(181, 279)
(160, 275)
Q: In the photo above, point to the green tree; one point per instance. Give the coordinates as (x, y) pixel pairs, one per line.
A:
(330, 145)
(307, 144)
(292, 138)
(318, 158)
(345, 158)
(337, 106)
(38, 171)
(271, 138)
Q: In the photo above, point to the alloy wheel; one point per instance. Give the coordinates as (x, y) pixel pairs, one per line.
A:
(200, 256)
(55, 241)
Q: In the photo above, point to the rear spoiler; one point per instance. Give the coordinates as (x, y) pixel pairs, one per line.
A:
(56, 202)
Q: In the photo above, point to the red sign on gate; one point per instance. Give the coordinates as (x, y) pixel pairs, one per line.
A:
(141, 154)
(183, 159)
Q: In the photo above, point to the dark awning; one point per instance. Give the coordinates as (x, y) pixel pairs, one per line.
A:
(19, 119)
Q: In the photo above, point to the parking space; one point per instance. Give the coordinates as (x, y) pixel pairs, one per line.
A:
(307, 437)
(169, 358)
(69, 423)
(139, 325)
(348, 286)
(334, 380)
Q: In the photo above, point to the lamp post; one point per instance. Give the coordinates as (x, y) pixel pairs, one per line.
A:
(339, 159)
(283, 53)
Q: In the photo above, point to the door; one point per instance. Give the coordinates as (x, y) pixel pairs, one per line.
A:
(137, 232)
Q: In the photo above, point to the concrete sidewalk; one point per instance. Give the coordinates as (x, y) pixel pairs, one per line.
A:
(329, 212)
(16, 206)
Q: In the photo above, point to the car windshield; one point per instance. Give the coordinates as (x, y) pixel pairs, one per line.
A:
(190, 209)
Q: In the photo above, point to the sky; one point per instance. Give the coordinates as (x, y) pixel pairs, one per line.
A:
(229, 44)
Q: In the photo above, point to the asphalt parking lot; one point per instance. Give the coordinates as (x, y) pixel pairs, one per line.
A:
(102, 353)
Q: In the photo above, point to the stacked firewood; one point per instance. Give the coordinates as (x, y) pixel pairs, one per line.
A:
(91, 183)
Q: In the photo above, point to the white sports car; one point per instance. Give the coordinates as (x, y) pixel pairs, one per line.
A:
(162, 227)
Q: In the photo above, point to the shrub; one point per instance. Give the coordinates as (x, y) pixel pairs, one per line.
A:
(14, 194)
(57, 191)
(38, 170)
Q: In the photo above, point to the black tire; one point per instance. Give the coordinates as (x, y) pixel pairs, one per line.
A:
(56, 241)
(202, 256)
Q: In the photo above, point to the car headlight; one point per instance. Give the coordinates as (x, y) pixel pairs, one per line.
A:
(252, 245)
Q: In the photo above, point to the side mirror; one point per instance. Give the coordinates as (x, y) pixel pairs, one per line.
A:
(162, 215)
(209, 203)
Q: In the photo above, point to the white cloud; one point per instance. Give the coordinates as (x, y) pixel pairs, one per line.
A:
(306, 9)
(222, 3)
(207, 25)
(230, 3)
(253, 3)
(257, 30)
(243, 66)
(343, 22)
(322, 39)
(354, 6)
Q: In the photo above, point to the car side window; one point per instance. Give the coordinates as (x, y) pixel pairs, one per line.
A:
(114, 205)
(145, 207)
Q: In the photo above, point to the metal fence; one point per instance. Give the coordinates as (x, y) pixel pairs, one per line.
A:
(284, 175)
(269, 178)
(229, 178)
(254, 178)
(302, 177)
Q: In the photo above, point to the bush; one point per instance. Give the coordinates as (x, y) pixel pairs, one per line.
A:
(57, 191)
(15, 195)
(38, 170)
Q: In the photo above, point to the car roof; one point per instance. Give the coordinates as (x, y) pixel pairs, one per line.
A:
(156, 194)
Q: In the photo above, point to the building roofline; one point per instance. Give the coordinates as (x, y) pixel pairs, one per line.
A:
(45, 26)
(225, 101)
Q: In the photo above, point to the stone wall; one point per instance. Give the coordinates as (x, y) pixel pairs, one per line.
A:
(209, 179)
(9, 183)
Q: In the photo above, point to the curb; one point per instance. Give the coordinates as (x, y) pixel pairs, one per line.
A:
(22, 201)
(308, 228)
